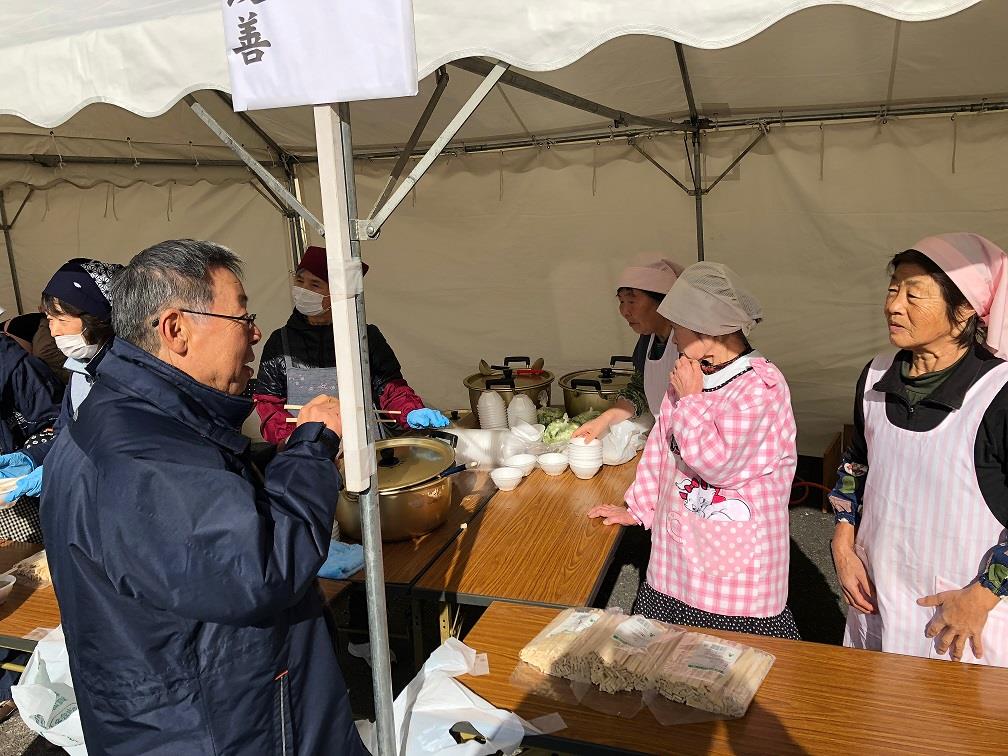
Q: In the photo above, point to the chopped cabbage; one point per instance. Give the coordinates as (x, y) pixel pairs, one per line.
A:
(560, 431)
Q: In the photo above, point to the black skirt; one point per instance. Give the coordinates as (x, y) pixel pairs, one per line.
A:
(657, 606)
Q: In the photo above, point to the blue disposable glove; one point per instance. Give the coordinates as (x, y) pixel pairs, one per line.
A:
(29, 485)
(427, 418)
(15, 465)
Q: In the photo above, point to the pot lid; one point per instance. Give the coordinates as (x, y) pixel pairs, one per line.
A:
(409, 460)
(605, 380)
(521, 381)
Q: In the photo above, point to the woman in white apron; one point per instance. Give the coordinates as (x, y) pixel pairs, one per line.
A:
(921, 504)
(641, 289)
(298, 362)
(715, 478)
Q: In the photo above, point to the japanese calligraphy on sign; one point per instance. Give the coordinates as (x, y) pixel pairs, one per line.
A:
(305, 52)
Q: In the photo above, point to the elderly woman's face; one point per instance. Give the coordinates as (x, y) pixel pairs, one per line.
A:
(916, 311)
(640, 311)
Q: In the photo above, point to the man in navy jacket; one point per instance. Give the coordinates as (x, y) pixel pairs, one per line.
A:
(186, 579)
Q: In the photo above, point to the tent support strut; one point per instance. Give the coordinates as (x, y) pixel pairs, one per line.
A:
(10, 245)
(407, 150)
(370, 228)
(255, 166)
(659, 166)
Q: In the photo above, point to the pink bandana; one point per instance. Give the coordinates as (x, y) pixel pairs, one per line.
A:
(978, 267)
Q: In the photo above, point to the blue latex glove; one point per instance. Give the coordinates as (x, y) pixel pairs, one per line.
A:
(343, 561)
(29, 485)
(15, 465)
(427, 418)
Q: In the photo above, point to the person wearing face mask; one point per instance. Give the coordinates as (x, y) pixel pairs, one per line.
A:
(76, 304)
(641, 289)
(299, 361)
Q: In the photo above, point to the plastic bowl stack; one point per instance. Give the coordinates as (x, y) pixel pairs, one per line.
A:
(492, 413)
(521, 410)
(585, 459)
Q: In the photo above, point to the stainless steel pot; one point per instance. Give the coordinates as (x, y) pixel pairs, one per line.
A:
(514, 377)
(595, 389)
(414, 487)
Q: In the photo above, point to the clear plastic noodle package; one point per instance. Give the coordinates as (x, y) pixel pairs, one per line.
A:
(622, 656)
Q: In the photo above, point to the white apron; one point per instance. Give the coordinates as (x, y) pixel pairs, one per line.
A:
(656, 374)
(925, 527)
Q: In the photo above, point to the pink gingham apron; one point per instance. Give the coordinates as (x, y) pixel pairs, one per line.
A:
(925, 527)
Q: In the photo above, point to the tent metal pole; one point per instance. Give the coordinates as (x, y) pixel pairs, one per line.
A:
(407, 150)
(687, 86)
(698, 194)
(660, 167)
(339, 203)
(257, 168)
(10, 249)
(297, 242)
(763, 132)
(370, 228)
(527, 84)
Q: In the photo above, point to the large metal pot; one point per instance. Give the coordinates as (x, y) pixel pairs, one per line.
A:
(514, 377)
(414, 487)
(595, 389)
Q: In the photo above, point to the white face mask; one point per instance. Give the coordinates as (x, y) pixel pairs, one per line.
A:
(76, 348)
(307, 302)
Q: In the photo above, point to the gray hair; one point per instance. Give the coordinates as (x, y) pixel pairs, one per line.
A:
(174, 273)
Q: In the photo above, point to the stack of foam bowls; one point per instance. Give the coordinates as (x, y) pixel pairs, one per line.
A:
(521, 410)
(492, 413)
(585, 458)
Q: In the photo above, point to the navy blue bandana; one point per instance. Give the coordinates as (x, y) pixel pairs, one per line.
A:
(85, 284)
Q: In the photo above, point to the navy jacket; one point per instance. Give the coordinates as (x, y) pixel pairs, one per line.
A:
(30, 395)
(186, 581)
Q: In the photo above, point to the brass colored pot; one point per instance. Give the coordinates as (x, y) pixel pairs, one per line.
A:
(586, 390)
(510, 381)
(414, 488)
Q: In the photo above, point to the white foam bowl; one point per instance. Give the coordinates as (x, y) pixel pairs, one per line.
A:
(552, 463)
(6, 586)
(524, 462)
(581, 443)
(584, 472)
(506, 478)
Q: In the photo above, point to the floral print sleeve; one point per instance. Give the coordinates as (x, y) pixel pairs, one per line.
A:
(994, 575)
(634, 393)
(848, 493)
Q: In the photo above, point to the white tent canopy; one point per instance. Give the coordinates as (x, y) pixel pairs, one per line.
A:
(515, 250)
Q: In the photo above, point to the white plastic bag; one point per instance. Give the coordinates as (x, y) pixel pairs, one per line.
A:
(434, 702)
(45, 696)
(623, 440)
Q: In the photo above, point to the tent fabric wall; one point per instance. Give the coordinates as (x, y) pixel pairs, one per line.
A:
(513, 253)
(516, 252)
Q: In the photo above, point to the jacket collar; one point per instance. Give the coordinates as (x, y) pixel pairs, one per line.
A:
(89, 368)
(211, 413)
(952, 392)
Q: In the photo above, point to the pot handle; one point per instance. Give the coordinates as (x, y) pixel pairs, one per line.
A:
(586, 383)
(449, 438)
(452, 470)
(505, 382)
(526, 360)
(619, 358)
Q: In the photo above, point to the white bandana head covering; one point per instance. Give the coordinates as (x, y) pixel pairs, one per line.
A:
(709, 299)
(649, 274)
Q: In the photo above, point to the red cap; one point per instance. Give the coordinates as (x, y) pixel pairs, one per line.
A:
(314, 261)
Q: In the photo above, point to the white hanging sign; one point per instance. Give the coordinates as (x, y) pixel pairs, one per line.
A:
(283, 53)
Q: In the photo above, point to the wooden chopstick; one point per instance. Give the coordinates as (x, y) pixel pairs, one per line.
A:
(294, 420)
(377, 411)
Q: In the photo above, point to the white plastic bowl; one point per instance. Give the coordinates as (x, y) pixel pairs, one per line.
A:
(506, 478)
(552, 463)
(6, 586)
(580, 442)
(585, 472)
(524, 462)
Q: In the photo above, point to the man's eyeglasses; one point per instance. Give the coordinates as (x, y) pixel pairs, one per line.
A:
(248, 319)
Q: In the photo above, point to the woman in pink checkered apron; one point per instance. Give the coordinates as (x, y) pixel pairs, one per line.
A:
(715, 478)
(921, 504)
